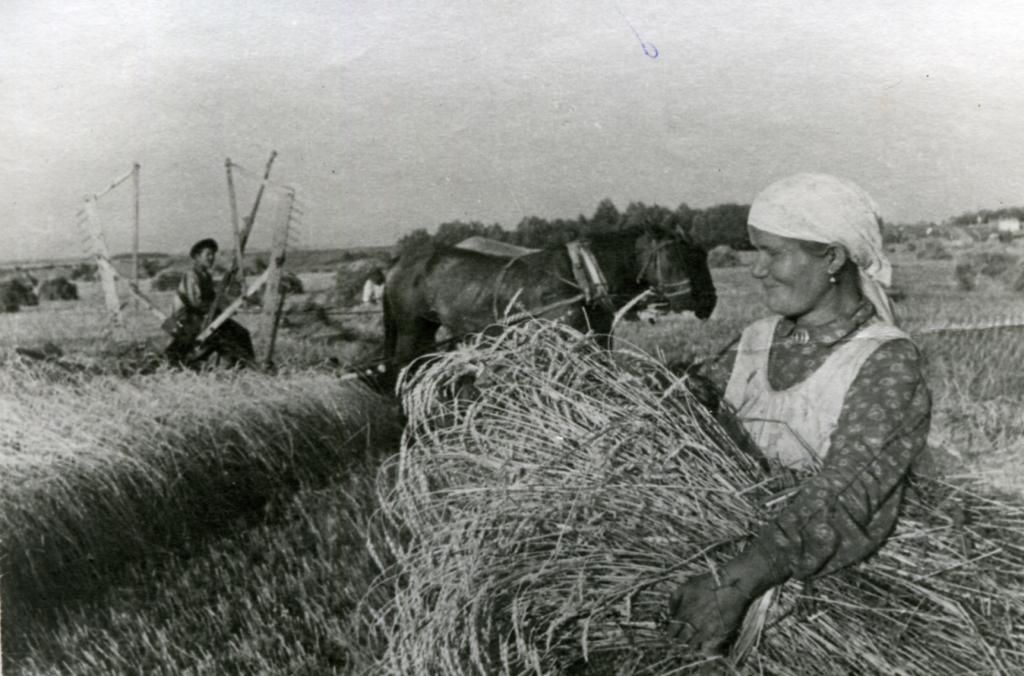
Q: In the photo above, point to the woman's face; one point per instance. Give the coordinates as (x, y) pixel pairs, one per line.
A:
(793, 280)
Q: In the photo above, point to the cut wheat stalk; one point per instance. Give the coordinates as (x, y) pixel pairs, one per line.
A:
(549, 495)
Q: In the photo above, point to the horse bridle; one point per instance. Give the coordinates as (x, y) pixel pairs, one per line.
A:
(665, 291)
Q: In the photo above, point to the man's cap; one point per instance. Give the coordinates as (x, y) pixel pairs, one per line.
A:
(197, 248)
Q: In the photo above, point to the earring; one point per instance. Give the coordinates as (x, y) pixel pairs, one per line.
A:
(831, 279)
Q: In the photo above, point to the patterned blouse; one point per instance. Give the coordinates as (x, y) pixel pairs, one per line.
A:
(844, 513)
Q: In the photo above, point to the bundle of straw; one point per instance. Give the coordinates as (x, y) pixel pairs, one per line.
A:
(548, 496)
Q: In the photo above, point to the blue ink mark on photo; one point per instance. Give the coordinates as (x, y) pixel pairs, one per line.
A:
(649, 49)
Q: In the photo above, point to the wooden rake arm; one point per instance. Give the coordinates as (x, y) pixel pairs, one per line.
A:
(104, 262)
(234, 306)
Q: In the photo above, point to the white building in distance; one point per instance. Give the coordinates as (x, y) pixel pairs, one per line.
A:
(1008, 225)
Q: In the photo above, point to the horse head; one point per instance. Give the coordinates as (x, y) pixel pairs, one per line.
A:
(675, 268)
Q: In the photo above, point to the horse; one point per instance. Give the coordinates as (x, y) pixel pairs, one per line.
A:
(467, 291)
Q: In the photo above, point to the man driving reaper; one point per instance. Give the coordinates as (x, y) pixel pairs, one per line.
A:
(194, 299)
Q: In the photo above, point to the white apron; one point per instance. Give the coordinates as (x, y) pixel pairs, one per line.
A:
(794, 426)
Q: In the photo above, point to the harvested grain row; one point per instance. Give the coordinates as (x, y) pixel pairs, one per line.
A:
(549, 495)
(100, 470)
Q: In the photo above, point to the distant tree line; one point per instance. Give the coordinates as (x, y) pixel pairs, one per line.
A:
(987, 215)
(721, 224)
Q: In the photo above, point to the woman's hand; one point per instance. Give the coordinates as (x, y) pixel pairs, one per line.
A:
(706, 613)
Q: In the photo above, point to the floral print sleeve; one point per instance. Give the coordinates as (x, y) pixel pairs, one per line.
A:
(844, 513)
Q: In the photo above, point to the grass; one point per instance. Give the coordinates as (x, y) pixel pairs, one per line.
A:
(266, 595)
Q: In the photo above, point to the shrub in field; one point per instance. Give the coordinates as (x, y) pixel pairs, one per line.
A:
(996, 263)
(933, 250)
(100, 471)
(548, 496)
(966, 275)
(723, 256)
(999, 266)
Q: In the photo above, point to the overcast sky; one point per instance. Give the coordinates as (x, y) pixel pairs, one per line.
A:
(395, 114)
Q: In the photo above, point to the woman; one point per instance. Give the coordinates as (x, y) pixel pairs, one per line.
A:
(373, 288)
(827, 384)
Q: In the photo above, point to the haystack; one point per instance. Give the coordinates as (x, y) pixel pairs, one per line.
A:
(548, 497)
(58, 288)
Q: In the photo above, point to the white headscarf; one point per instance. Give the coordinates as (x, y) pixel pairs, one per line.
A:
(830, 210)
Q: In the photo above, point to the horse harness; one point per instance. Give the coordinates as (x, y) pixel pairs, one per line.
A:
(666, 291)
(587, 275)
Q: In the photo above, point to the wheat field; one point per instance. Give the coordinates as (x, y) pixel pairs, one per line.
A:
(111, 568)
